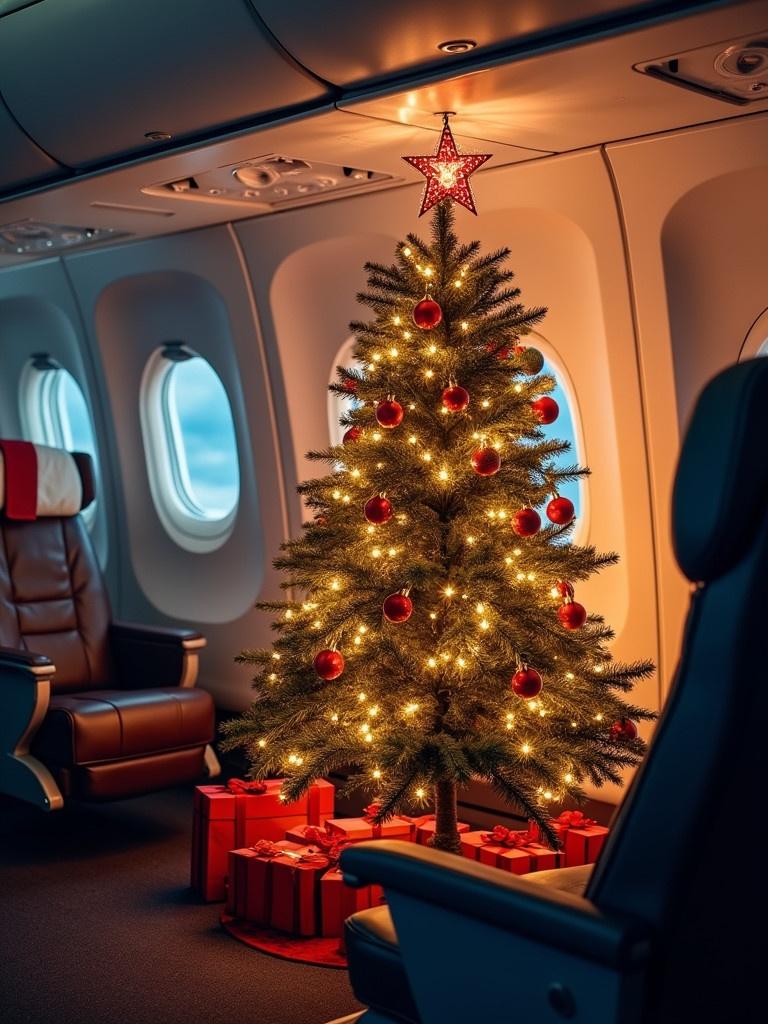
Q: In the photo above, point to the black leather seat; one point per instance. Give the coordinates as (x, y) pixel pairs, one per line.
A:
(88, 707)
(376, 968)
(663, 932)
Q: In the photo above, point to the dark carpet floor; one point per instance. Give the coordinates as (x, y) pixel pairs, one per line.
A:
(98, 926)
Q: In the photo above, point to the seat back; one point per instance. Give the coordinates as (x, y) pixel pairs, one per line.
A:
(52, 595)
(680, 854)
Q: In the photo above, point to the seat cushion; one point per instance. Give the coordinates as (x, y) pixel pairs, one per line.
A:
(572, 880)
(375, 968)
(108, 725)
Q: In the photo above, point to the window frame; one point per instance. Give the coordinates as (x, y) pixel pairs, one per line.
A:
(184, 520)
(43, 414)
(337, 404)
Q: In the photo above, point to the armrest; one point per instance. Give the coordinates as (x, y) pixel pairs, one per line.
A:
(15, 658)
(548, 916)
(147, 656)
(25, 692)
(189, 639)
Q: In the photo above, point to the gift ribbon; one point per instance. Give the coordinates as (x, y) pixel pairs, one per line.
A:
(502, 836)
(418, 822)
(246, 786)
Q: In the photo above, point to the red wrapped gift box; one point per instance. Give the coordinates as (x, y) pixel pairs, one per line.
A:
(295, 893)
(339, 900)
(514, 851)
(228, 818)
(356, 830)
(581, 838)
(250, 882)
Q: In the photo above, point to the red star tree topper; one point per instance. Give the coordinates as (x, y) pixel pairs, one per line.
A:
(447, 172)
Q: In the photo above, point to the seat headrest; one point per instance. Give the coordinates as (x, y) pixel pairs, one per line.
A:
(36, 480)
(721, 487)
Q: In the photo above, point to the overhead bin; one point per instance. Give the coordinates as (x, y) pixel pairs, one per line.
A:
(21, 161)
(90, 80)
(347, 42)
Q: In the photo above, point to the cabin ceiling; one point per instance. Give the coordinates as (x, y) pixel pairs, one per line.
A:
(101, 104)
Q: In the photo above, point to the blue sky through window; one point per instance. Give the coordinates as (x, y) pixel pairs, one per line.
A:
(207, 433)
(74, 419)
(563, 429)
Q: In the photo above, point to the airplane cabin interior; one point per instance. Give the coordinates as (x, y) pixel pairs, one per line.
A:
(383, 511)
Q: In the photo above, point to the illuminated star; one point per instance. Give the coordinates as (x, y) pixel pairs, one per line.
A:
(447, 172)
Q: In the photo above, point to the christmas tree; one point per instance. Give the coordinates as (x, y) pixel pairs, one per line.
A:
(432, 636)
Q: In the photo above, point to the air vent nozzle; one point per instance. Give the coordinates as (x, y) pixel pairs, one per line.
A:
(735, 71)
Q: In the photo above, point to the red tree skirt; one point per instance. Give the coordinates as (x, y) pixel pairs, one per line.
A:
(320, 952)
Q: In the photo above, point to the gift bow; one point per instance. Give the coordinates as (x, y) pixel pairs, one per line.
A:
(266, 848)
(573, 819)
(502, 836)
(246, 786)
(371, 813)
(330, 844)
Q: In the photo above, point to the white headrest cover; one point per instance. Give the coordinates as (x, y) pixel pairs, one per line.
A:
(59, 487)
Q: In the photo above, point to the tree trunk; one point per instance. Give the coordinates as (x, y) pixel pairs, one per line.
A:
(446, 830)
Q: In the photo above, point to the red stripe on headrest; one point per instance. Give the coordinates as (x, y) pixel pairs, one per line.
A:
(20, 479)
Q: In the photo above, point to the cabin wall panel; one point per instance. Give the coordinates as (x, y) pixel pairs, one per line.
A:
(38, 313)
(695, 217)
(135, 298)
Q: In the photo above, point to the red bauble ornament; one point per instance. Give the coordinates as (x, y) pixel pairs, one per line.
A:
(486, 461)
(501, 353)
(353, 434)
(349, 384)
(572, 615)
(526, 522)
(397, 608)
(447, 172)
(329, 664)
(624, 729)
(389, 413)
(560, 511)
(378, 510)
(427, 314)
(527, 683)
(545, 409)
(455, 398)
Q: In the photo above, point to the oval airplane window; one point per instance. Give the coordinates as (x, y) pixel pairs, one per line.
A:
(191, 448)
(54, 412)
(340, 405)
(756, 341)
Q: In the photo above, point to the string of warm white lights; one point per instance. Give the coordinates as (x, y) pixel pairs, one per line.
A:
(439, 637)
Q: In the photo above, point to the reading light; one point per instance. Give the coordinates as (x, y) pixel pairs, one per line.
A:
(457, 45)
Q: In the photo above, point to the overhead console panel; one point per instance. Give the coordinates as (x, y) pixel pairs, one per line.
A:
(90, 80)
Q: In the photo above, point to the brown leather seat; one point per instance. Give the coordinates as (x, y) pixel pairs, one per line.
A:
(105, 708)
